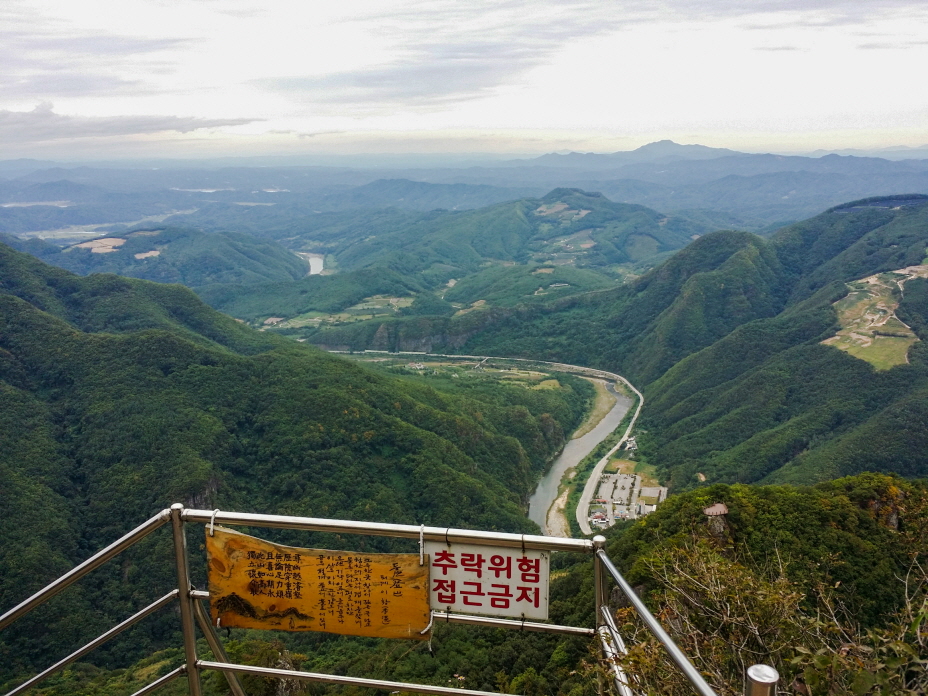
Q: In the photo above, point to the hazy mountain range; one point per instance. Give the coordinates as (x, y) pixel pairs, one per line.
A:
(759, 190)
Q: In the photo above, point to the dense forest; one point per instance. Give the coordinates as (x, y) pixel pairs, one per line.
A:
(822, 582)
(173, 255)
(725, 340)
(566, 230)
(119, 397)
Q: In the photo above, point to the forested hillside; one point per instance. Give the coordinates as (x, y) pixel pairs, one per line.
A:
(119, 397)
(530, 250)
(821, 582)
(568, 225)
(172, 255)
(725, 338)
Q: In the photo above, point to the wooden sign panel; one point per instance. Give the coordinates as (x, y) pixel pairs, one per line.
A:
(256, 584)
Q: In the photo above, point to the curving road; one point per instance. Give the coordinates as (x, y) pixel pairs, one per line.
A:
(546, 505)
(590, 487)
(584, 505)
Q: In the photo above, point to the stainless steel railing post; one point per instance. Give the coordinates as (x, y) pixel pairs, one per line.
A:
(212, 639)
(599, 543)
(761, 681)
(599, 582)
(654, 626)
(186, 601)
(613, 648)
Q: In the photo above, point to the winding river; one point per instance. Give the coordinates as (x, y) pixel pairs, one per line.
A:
(574, 452)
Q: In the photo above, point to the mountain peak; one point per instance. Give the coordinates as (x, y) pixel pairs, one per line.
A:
(668, 148)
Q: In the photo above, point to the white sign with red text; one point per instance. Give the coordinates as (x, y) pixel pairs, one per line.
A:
(490, 580)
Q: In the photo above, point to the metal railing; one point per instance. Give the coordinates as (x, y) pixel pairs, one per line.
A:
(194, 615)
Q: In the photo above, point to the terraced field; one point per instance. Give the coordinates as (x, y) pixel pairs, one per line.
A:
(870, 329)
(369, 308)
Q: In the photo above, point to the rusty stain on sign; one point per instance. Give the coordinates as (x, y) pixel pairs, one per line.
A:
(256, 584)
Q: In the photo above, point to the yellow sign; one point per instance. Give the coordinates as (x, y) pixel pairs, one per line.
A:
(256, 584)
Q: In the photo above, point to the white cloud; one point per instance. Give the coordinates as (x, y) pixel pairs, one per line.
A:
(43, 124)
(621, 68)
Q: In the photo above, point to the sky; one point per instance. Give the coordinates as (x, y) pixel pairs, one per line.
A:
(208, 78)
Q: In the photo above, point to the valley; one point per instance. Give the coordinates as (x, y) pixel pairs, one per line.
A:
(553, 348)
(782, 374)
(547, 506)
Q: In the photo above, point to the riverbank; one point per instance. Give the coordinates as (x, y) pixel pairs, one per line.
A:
(554, 520)
(583, 505)
(576, 450)
(557, 522)
(589, 471)
(558, 476)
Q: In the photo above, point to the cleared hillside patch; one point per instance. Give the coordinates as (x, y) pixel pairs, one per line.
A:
(870, 329)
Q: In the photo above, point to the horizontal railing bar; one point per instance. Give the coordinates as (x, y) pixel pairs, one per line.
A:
(679, 659)
(443, 617)
(79, 571)
(408, 531)
(96, 642)
(199, 594)
(161, 681)
(338, 679)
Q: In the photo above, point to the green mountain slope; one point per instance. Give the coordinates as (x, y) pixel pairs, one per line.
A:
(120, 396)
(174, 255)
(725, 339)
(696, 297)
(565, 226)
(507, 286)
(329, 293)
(584, 236)
(759, 584)
(769, 401)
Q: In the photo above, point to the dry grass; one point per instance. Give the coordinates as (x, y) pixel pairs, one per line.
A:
(603, 404)
(647, 472)
(868, 312)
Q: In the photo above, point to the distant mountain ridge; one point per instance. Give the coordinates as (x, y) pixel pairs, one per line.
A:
(761, 190)
(660, 151)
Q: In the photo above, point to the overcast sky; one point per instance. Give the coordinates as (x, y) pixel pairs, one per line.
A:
(241, 77)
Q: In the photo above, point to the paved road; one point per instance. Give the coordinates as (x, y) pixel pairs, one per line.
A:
(540, 505)
(590, 488)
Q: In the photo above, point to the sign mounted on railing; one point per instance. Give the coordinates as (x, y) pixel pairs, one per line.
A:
(492, 580)
(256, 584)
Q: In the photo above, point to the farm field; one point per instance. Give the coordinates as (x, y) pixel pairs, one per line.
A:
(870, 329)
(376, 306)
(647, 472)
